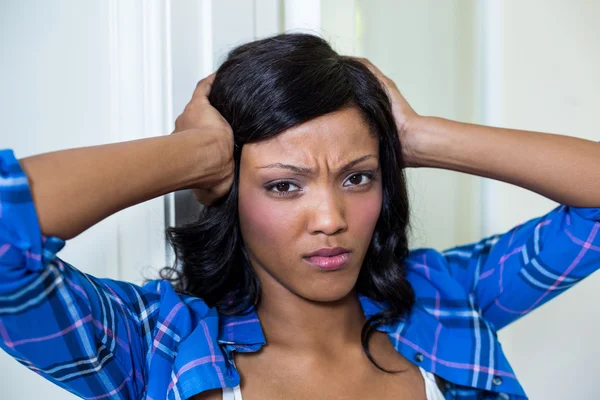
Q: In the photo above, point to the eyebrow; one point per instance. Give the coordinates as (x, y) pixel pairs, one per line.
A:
(308, 171)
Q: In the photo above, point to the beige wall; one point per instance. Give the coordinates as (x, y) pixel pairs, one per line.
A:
(549, 80)
(427, 48)
(529, 64)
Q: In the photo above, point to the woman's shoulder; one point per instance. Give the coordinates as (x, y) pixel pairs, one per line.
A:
(173, 302)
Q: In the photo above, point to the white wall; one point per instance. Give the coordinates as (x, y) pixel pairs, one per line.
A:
(54, 95)
(77, 74)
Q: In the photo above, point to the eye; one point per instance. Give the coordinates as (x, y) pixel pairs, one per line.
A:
(358, 179)
(282, 188)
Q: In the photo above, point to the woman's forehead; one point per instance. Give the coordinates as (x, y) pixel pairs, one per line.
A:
(335, 137)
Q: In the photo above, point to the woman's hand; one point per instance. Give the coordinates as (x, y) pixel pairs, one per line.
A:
(201, 118)
(404, 115)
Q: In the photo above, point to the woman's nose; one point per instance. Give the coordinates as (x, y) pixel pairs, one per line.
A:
(327, 215)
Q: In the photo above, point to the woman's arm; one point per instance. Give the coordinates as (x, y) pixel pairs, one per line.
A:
(513, 273)
(74, 189)
(97, 337)
(562, 168)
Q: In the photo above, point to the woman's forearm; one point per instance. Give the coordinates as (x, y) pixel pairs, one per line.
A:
(562, 168)
(74, 189)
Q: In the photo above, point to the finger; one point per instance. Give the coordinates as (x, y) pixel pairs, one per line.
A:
(203, 87)
(376, 71)
(387, 82)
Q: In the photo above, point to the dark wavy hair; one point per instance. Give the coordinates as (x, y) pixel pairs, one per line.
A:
(263, 88)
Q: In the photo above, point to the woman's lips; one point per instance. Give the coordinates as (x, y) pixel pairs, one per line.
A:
(329, 259)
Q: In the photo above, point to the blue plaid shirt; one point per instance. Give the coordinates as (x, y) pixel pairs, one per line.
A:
(100, 338)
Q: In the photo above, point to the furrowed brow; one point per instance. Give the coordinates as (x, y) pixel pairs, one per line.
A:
(308, 171)
(294, 168)
(352, 164)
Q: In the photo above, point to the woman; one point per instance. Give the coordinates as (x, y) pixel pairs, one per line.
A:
(296, 280)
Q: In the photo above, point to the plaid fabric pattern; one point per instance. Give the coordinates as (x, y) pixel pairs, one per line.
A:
(100, 338)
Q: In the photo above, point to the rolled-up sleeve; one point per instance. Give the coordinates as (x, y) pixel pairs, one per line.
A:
(20, 241)
(512, 274)
(87, 335)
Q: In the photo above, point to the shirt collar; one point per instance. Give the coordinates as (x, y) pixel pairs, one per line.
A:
(245, 333)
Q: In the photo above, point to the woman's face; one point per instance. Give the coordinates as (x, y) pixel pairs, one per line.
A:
(309, 200)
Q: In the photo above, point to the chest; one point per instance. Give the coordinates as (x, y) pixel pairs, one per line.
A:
(336, 385)
(306, 378)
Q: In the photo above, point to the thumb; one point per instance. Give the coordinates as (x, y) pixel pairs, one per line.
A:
(203, 88)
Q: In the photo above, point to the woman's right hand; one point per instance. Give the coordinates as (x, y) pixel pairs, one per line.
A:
(201, 118)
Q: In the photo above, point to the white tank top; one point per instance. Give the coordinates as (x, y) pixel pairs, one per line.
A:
(432, 390)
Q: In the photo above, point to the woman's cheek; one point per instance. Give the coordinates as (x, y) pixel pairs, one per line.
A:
(272, 221)
(363, 212)
(263, 219)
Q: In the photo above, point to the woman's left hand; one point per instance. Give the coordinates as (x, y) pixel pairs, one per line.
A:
(404, 114)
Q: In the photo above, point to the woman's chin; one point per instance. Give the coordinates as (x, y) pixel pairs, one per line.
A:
(328, 294)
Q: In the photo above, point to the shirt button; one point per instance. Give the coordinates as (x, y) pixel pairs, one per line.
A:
(419, 357)
(497, 381)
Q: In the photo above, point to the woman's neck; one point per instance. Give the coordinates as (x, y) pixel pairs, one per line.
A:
(294, 322)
